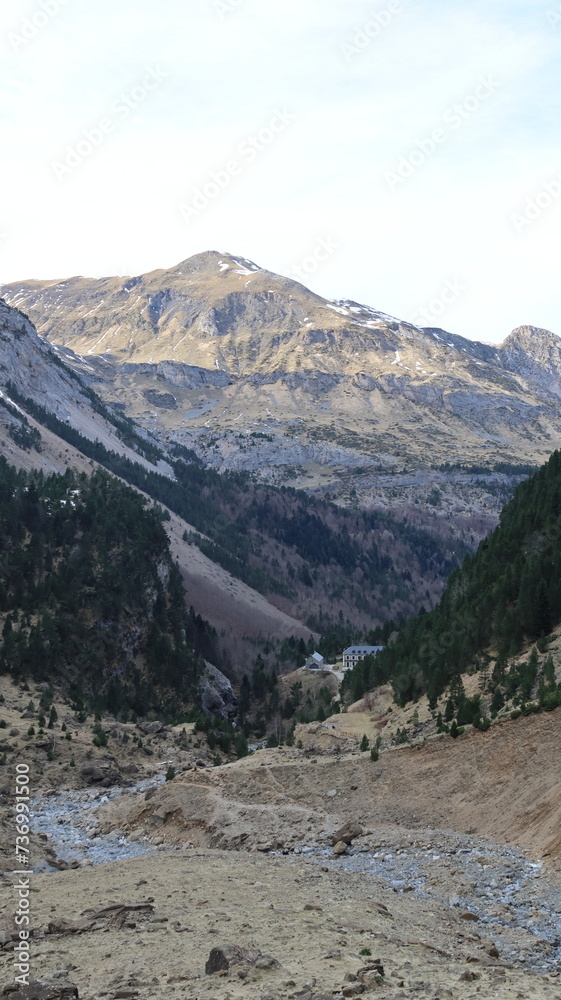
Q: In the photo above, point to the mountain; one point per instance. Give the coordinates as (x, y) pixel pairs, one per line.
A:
(257, 373)
(35, 371)
(503, 598)
(59, 423)
(263, 564)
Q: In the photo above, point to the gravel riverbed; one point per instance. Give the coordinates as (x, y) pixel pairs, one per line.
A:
(511, 899)
(68, 819)
(502, 894)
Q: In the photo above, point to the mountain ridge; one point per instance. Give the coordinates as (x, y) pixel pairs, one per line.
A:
(255, 372)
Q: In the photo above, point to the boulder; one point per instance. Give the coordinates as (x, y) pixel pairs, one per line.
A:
(150, 728)
(223, 958)
(347, 833)
(340, 848)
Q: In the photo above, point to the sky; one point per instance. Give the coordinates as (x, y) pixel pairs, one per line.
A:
(404, 154)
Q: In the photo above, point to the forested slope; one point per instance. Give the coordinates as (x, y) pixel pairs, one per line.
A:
(323, 564)
(504, 596)
(90, 597)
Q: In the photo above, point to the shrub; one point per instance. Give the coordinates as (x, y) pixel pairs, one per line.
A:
(100, 738)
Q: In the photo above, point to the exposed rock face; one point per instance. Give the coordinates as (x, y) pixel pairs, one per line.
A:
(34, 367)
(534, 355)
(217, 694)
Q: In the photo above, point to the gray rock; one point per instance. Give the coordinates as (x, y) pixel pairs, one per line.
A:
(217, 694)
(267, 962)
(150, 728)
(41, 989)
(220, 959)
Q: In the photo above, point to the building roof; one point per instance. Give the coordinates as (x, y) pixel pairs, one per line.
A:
(361, 650)
(317, 657)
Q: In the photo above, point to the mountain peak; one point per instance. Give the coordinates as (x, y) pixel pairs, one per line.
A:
(530, 336)
(214, 260)
(534, 354)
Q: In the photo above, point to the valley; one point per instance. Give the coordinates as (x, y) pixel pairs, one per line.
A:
(453, 889)
(206, 473)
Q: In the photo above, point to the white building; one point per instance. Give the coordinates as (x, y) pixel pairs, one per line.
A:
(353, 654)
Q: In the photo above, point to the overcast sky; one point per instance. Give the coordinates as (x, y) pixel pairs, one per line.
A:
(402, 154)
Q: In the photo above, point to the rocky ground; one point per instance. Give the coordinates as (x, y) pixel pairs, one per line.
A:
(306, 872)
(302, 930)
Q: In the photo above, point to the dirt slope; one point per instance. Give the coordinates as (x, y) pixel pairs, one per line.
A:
(503, 784)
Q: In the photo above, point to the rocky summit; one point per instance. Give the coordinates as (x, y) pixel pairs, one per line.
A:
(256, 372)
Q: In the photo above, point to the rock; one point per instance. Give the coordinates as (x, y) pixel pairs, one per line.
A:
(466, 915)
(313, 906)
(354, 990)
(468, 976)
(41, 989)
(340, 848)
(150, 728)
(111, 778)
(267, 962)
(217, 694)
(220, 959)
(348, 832)
(370, 979)
(92, 774)
(374, 967)
(490, 949)
(5, 938)
(350, 977)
